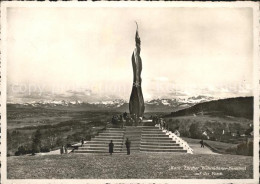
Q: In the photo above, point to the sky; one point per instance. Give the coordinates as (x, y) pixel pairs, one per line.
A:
(85, 53)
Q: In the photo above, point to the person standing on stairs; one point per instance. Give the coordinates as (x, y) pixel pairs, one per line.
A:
(128, 144)
(111, 147)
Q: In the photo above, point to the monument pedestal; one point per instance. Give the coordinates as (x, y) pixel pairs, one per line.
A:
(148, 122)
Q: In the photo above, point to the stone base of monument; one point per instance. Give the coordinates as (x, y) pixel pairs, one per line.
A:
(147, 122)
(99, 144)
(143, 139)
(154, 139)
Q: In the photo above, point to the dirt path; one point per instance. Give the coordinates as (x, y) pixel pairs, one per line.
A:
(198, 150)
(57, 152)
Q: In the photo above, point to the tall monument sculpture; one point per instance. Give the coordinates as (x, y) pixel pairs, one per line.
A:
(136, 103)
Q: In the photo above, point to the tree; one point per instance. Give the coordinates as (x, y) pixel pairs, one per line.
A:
(194, 131)
(248, 131)
(36, 142)
(59, 141)
(51, 138)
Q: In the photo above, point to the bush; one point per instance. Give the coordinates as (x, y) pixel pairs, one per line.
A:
(245, 148)
(45, 149)
(248, 131)
(35, 149)
(194, 131)
(22, 151)
(36, 145)
(232, 150)
(87, 137)
(185, 133)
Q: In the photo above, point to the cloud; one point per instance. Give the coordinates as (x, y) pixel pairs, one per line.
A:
(160, 79)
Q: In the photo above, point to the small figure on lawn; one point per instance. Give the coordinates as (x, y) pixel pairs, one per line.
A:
(66, 149)
(128, 144)
(61, 150)
(82, 142)
(111, 147)
(202, 143)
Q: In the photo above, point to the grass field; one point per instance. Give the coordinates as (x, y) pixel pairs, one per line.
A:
(220, 147)
(121, 166)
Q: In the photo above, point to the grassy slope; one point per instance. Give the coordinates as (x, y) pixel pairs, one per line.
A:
(143, 166)
(238, 107)
(219, 147)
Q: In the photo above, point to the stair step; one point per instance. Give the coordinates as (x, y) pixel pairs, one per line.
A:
(101, 148)
(160, 147)
(157, 141)
(108, 139)
(156, 131)
(114, 131)
(94, 151)
(111, 133)
(104, 142)
(131, 135)
(124, 149)
(158, 144)
(163, 150)
(109, 136)
(134, 146)
(156, 138)
(154, 135)
(102, 145)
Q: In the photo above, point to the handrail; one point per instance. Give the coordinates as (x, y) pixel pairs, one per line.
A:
(178, 140)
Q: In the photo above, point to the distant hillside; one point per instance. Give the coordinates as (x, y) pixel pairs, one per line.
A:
(238, 107)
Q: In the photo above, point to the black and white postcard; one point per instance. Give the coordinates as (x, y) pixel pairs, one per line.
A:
(130, 92)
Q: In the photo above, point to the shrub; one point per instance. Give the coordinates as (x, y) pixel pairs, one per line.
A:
(185, 133)
(232, 150)
(22, 151)
(194, 131)
(87, 137)
(36, 145)
(250, 148)
(248, 131)
(45, 149)
(245, 148)
(212, 138)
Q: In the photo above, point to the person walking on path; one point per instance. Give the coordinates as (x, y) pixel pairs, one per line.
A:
(66, 149)
(61, 150)
(202, 143)
(82, 142)
(128, 144)
(111, 147)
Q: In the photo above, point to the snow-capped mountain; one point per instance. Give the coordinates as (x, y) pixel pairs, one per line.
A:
(110, 103)
(120, 105)
(52, 103)
(180, 101)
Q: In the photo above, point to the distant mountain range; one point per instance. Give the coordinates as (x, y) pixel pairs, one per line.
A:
(155, 105)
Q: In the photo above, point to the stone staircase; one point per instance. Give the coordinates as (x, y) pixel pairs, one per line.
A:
(143, 138)
(99, 144)
(134, 135)
(155, 140)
